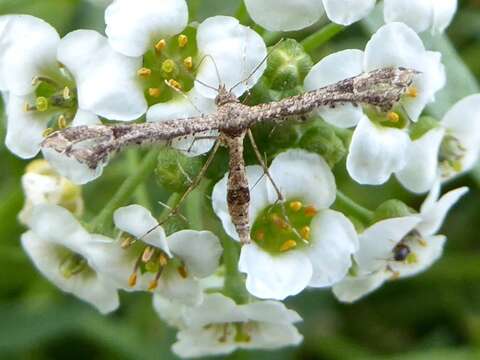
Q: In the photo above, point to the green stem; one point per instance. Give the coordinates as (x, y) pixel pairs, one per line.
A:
(234, 286)
(242, 14)
(343, 202)
(193, 208)
(141, 193)
(103, 220)
(171, 203)
(320, 37)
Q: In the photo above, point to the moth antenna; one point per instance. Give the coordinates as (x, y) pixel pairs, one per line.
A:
(185, 96)
(217, 71)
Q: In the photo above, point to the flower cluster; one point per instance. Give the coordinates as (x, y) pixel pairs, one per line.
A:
(155, 65)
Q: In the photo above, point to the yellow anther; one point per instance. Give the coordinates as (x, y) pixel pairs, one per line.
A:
(154, 92)
(395, 275)
(144, 72)
(188, 62)
(41, 104)
(296, 205)
(305, 232)
(127, 242)
(62, 122)
(310, 211)
(260, 235)
(132, 280)
(163, 260)
(393, 117)
(159, 46)
(168, 66)
(148, 253)
(47, 132)
(174, 84)
(153, 285)
(182, 40)
(182, 270)
(67, 95)
(279, 222)
(412, 258)
(288, 245)
(423, 242)
(27, 107)
(412, 92)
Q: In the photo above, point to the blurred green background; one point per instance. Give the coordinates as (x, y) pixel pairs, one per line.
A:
(433, 316)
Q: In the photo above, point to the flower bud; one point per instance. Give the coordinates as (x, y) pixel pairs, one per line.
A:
(391, 209)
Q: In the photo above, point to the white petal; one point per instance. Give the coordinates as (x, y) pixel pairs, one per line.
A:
(200, 250)
(70, 168)
(24, 128)
(463, 122)
(443, 13)
(134, 26)
(353, 288)
(416, 14)
(333, 242)
(378, 241)
(89, 287)
(172, 312)
(229, 45)
(28, 48)
(258, 198)
(305, 176)
(274, 276)
(176, 288)
(346, 12)
(287, 15)
(270, 311)
(106, 80)
(376, 152)
(433, 214)
(273, 336)
(421, 170)
(194, 343)
(83, 117)
(139, 222)
(329, 70)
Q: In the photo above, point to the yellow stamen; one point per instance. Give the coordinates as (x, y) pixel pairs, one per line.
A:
(423, 242)
(132, 280)
(168, 66)
(159, 46)
(393, 117)
(412, 258)
(188, 62)
(66, 93)
(174, 84)
(296, 205)
(153, 285)
(310, 211)
(288, 245)
(62, 122)
(41, 104)
(163, 260)
(182, 40)
(182, 270)
(412, 92)
(279, 222)
(127, 242)
(154, 92)
(47, 132)
(260, 235)
(144, 72)
(395, 275)
(305, 232)
(148, 253)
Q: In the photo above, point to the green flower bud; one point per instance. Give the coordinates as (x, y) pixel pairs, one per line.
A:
(175, 171)
(322, 139)
(422, 126)
(391, 209)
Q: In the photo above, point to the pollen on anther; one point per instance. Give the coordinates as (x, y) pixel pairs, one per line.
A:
(188, 62)
(47, 132)
(288, 245)
(162, 260)
(310, 211)
(296, 205)
(154, 92)
(153, 285)
(182, 270)
(144, 72)
(305, 232)
(62, 122)
(393, 117)
(174, 84)
(66, 93)
(182, 40)
(412, 92)
(260, 235)
(132, 280)
(127, 242)
(159, 46)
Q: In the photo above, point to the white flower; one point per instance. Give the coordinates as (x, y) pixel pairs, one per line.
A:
(61, 249)
(144, 258)
(421, 15)
(219, 326)
(308, 244)
(42, 185)
(289, 15)
(174, 69)
(380, 142)
(54, 83)
(398, 247)
(451, 148)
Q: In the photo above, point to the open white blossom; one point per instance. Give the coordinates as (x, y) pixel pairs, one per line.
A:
(421, 15)
(42, 185)
(219, 326)
(55, 82)
(61, 249)
(380, 142)
(174, 70)
(305, 245)
(449, 149)
(398, 247)
(144, 258)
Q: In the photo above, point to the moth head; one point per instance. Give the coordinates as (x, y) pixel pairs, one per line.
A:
(225, 96)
